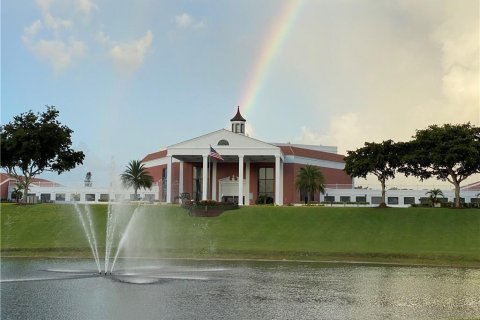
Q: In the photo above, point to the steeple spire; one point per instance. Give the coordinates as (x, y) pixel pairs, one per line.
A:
(238, 123)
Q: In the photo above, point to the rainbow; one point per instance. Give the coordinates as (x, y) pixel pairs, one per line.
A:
(276, 36)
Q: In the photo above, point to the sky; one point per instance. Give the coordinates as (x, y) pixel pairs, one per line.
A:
(132, 77)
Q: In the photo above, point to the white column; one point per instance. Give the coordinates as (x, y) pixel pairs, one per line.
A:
(281, 182)
(214, 181)
(180, 182)
(240, 179)
(205, 177)
(277, 180)
(247, 182)
(169, 179)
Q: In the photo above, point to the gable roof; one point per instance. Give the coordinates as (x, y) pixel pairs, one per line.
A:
(238, 144)
(234, 140)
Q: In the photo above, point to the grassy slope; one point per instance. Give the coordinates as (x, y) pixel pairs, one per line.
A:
(314, 233)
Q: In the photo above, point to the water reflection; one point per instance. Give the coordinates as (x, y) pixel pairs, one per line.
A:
(234, 290)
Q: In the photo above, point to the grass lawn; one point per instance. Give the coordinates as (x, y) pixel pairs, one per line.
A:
(413, 235)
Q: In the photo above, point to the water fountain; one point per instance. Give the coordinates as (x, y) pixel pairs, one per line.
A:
(113, 211)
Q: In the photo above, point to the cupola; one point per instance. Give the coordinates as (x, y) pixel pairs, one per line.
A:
(238, 123)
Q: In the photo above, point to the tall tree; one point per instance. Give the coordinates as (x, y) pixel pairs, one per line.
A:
(379, 159)
(34, 143)
(449, 153)
(310, 179)
(136, 177)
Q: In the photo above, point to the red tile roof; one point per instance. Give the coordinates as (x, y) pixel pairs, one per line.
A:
(6, 177)
(301, 152)
(472, 186)
(155, 155)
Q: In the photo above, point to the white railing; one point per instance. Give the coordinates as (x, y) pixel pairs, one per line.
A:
(401, 187)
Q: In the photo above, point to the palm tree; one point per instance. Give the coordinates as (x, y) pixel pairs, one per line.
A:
(310, 179)
(136, 177)
(17, 193)
(434, 194)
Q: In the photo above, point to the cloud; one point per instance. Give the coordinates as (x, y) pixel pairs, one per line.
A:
(129, 55)
(49, 39)
(85, 6)
(185, 20)
(387, 72)
(32, 30)
(60, 55)
(343, 131)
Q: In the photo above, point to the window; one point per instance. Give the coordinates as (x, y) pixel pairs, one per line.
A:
(90, 197)
(223, 142)
(233, 127)
(197, 183)
(237, 127)
(75, 197)
(60, 197)
(409, 200)
(329, 198)
(45, 197)
(344, 198)
(119, 197)
(104, 197)
(376, 200)
(265, 185)
(392, 200)
(361, 199)
(149, 197)
(242, 128)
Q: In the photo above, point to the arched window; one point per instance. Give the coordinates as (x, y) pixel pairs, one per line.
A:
(222, 142)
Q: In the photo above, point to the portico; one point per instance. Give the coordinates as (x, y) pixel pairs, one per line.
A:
(230, 179)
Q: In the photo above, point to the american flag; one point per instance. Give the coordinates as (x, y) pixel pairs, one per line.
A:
(215, 154)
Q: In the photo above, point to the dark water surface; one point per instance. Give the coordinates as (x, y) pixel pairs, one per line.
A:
(179, 289)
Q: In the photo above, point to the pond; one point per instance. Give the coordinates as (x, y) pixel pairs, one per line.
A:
(186, 289)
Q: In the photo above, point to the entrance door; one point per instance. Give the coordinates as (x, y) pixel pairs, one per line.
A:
(228, 190)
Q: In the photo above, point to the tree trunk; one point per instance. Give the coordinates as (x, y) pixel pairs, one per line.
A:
(383, 204)
(457, 195)
(25, 191)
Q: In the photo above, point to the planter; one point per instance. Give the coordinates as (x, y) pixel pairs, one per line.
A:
(208, 208)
